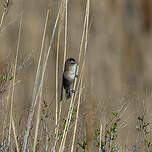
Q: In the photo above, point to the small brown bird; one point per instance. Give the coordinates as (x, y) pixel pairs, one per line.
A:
(69, 75)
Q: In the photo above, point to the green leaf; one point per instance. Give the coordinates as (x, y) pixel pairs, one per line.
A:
(118, 120)
(146, 124)
(60, 135)
(149, 144)
(4, 77)
(145, 140)
(140, 118)
(114, 137)
(74, 111)
(11, 78)
(138, 128)
(108, 132)
(113, 149)
(46, 116)
(82, 145)
(115, 114)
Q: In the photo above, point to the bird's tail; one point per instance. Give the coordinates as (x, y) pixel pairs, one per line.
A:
(68, 93)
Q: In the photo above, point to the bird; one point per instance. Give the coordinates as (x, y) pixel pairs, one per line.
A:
(68, 77)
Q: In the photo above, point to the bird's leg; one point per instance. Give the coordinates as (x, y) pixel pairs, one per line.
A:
(72, 90)
(76, 76)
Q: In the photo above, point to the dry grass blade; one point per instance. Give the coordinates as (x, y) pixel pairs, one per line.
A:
(47, 142)
(80, 81)
(41, 82)
(66, 27)
(6, 4)
(3, 16)
(82, 41)
(14, 77)
(6, 115)
(35, 88)
(64, 13)
(39, 108)
(77, 115)
(100, 138)
(87, 26)
(57, 60)
(79, 84)
(64, 58)
(15, 136)
(37, 122)
(72, 99)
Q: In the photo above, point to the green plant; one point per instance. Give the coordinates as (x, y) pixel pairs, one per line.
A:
(83, 145)
(72, 119)
(110, 134)
(143, 127)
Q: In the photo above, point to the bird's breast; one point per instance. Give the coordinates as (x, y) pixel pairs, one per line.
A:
(69, 76)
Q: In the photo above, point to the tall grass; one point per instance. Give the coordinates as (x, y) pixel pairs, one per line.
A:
(13, 88)
(57, 139)
(38, 85)
(37, 91)
(40, 100)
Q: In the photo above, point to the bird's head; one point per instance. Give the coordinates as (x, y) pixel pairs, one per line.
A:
(70, 64)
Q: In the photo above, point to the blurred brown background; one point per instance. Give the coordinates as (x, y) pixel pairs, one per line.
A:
(118, 69)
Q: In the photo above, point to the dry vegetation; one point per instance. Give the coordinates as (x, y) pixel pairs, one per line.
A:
(111, 108)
